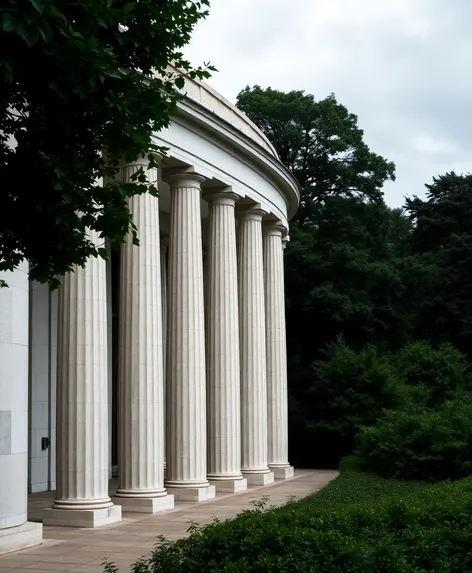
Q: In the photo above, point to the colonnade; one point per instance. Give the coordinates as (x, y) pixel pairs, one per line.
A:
(216, 410)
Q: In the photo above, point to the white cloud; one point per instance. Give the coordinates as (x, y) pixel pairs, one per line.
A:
(402, 67)
(428, 145)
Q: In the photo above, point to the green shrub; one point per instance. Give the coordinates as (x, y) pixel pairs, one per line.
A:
(433, 375)
(350, 389)
(355, 486)
(418, 529)
(429, 445)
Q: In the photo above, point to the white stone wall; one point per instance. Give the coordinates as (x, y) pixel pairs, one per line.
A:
(14, 398)
(43, 353)
(40, 395)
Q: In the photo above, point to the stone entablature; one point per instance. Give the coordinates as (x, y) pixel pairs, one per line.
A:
(206, 96)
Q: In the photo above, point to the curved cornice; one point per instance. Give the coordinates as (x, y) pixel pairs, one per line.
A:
(197, 113)
(209, 98)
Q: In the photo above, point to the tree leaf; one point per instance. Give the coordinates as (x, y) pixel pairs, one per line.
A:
(38, 5)
(29, 34)
(9, 22)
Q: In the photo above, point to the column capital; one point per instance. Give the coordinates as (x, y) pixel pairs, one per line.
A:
(140, 162)
(275, 228)
(250, 212)
(224, 197)
(143, 160)
(285, 241)
(182, 178)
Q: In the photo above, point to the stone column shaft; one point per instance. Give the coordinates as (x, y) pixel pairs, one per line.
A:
(140, 373)
(223, 372)
(277, 397)
(164, 249)
(15, 531)
(253, 348)
(82, 401)
(186, 465)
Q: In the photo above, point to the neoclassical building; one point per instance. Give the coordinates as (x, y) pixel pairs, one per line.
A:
(166, 365)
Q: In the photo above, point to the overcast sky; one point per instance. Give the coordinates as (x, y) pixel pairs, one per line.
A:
(403, 66)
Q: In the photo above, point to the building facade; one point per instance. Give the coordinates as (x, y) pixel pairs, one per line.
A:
(166, 365)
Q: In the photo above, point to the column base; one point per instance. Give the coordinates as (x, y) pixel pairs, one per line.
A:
(19, 537)
(145, 504)
(192, 493)
(285, 472)
(259, 478)
(229, 485)
(82, 517)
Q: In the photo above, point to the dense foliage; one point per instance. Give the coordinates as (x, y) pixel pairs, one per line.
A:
(429, 436)
(358, 523)
(83, 86)
(432, 375)
(428, 445)
(442, 230)
(349, 389)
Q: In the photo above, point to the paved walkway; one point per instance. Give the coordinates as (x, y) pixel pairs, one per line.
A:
(75, 550)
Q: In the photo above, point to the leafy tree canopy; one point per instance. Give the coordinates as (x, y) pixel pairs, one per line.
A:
(320, 142)
(433, 375)
(346, 275)
(442, 228)
(84, 85)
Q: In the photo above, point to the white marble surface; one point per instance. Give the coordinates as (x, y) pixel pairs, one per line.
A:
(186, 452)
(15, 531)
(14, 397)
(164, 242)
(82, 398)
(140, 371)
(277, 396)
(223, 372)
(253, 347)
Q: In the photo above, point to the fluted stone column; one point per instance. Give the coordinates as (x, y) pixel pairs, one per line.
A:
(186, 463)
(277, 397)
(82, 401)
(223, 372)
(140, 371)
(205, 280)
(252, 348)
(164, 249)
(15, 531)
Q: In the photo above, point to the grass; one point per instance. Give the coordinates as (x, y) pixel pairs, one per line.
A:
(354, 486)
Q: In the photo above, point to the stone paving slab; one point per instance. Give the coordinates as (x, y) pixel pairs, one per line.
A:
(75, 550)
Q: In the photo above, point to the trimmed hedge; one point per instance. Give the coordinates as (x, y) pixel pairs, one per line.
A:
(403, 527)
(429, 445)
